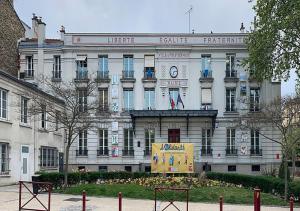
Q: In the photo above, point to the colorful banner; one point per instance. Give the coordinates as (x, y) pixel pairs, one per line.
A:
(172, 158)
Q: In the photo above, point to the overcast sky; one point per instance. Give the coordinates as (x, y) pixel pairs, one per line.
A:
(140, 16)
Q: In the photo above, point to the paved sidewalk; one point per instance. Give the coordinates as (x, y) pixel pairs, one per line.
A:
(9, 202)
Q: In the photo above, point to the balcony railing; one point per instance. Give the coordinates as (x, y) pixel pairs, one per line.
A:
(102, 75)
(231, 151)
(149, 74)
(29, 73)
(127, 74)
(256, 152)
(82, 152)
(206, 74)
(230, 74)
(81, 74)
(103, 107)
(206, 151)
(128, 152)
(103, 152)
(230, 109)
(147, 152)
(56, 75)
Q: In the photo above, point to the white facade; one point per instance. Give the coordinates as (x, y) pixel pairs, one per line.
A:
(200, 78)
(26, 148)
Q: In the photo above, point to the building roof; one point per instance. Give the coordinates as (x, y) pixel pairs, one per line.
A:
(30, 86)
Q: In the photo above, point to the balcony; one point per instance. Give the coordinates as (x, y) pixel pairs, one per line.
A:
(206, 76)
(231, 152)
(103, 76)
(128, 152)
(206, 151)
(81, 75)
(231, 76)
(128, 76)
(149, 75)
(103, 152)
(255, 152)
(56, 75)
(27, 74)
(103, 108)
(147, 152)
(81, 152)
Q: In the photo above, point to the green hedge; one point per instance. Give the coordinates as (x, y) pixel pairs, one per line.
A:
(265, 183)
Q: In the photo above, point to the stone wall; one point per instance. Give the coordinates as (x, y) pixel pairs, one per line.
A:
(11, 29)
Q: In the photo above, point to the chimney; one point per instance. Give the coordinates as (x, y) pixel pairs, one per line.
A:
(34, 26)
(62, 33)
(242, 29)
(41, 32)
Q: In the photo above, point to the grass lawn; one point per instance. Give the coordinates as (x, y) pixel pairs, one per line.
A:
(232, 195)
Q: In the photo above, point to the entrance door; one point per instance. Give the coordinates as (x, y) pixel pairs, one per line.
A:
(174, 135)
(25, 163)
(61, 162)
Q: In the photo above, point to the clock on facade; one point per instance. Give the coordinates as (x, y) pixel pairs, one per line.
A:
(173, 71)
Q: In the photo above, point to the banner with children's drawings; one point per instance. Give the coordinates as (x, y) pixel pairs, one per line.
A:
(172, 158)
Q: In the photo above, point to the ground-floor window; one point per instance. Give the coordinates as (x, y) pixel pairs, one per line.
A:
(128, 143)
(102, 168)
(255, 167)
(231, 168)
(147, 168)
(149, 140)
(206, 167)
(4, 159)
(49, 157)
(128, 168)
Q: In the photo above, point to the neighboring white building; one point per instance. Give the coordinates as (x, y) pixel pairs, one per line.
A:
(26, 145)
(139, 77)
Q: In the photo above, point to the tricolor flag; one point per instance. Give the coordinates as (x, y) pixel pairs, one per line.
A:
(172, 103)
(179, 100)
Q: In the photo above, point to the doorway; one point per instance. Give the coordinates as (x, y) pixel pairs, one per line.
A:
(24, 163)
(174, 135)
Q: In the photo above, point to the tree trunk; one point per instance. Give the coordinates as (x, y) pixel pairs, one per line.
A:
(293, 163)
(66, 167)
(285, 178)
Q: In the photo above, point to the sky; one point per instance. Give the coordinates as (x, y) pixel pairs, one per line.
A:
(144, 16)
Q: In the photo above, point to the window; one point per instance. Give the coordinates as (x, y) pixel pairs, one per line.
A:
(103, 99)
(255, 167)
(102, 168)
(230, 135)
(231, 168)
(57, 67)
(206, 167)
(148, 169)
(149, 72)
(24, 110)
(230, 65)
(43, 117)
(254, 99)
(173, 94)
(81, 72)
(230, 99)
(206, 142)
(128, 168)
(205, 99)
(4, 159)
(29, 66)
(128, 66)
(243, 90)
(128, 99)
(149, 139)
(149, 100)
(103, 66)
(82, 100)
(82, 144)
(57, 116)
(49, 157)
(103, 142)
(3, 104)
(128, 142)
(206, 66)
(255, 149)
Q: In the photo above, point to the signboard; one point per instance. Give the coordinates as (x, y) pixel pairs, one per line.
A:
(172, 158)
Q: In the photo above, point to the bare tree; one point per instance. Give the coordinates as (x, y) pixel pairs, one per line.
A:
(280, 114)
(76, 114)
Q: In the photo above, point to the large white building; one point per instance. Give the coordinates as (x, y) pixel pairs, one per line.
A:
(188, 88)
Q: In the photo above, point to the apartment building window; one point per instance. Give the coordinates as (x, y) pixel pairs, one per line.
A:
(149, 72)
(255, 145)
(3, 104)
(173, 94)
(128, 71)
(230, 136)
(231, 168)
(206, 99)
(206, 142)
(230, 65)
(103, 99)
(81, 71)
(254, 99)
(128, 99)
(103, 142)
(82, 144)
(56, 67)
(82, 100)
(4, 159)
(24, 109)
(29, 67)
(206, 66)
(149, 140)
(57, 117)
(128, 143)
(43, 117)
(103, 67)
(49, 157)
(230, 99)
(149, 99)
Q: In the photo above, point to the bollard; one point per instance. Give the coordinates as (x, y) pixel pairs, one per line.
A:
(256, 199)
(120, 201)
(291, 203)
(221, 203)
(83, 200)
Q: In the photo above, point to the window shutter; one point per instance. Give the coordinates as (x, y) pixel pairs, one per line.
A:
(206, 96)
(149, 61)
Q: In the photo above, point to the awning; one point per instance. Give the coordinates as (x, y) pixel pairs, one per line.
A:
(173, 113)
